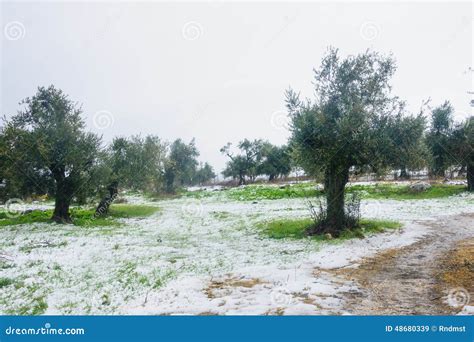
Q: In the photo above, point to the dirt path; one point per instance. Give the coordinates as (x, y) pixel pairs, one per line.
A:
(406, 281)
(412, 280)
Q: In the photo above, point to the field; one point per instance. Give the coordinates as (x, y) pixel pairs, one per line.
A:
(234, 251)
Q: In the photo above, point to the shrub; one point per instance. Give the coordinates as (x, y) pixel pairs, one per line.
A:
(318, 214)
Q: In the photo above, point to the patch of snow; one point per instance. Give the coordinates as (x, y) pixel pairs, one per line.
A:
(467, 310)
(205, 188)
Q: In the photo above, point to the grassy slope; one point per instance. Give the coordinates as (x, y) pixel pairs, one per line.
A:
(404, 192)
(302, 190)
(83, 217)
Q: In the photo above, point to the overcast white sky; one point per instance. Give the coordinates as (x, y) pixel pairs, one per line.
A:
(217, 71)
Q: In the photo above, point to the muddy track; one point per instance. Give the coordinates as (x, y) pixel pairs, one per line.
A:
(406, 281)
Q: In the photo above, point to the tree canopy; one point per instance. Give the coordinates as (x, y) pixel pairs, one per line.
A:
(256, 158)
(346, 124)
(47, 140)
(438, 138)
(181, 164)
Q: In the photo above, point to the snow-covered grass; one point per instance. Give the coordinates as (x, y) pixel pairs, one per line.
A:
(195, 256)
(371, 190)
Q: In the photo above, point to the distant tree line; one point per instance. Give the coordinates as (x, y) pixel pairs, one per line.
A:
(256, 158)
(430, 140)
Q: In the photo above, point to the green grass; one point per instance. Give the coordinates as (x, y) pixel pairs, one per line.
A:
(199, 194)
(296, 229)
(255, 192)
(379, 191)
(260, 192)
(5, 282)
(34, 216)
(83, 217)
(178, 193)
(398, 192)
(131, 210)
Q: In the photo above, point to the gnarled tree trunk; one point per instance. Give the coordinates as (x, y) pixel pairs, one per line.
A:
(63, 197)
(404, 173)
(470, 177)
(334, 186)
(169, 177)
(103, 207)
(241, 179)
(61, 210)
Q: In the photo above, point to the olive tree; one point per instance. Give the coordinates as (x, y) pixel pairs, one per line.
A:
(276, 161)
(439, 137)
(407, 143)
(48, 138)
(19, 178)
(180, 165)
(244, 165)
(345, 126)
(462, 149)
(135, 163)
(204, 174)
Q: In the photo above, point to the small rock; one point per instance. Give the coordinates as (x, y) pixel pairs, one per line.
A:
(328, 236)
(105, 299)
(420, 187)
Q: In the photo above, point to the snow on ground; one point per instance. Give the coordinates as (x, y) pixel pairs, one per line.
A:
(467, 310)
(196, 257)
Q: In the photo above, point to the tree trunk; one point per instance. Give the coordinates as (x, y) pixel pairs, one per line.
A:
(470, 177)
(438, 172)
(61, 211)
(103, 207)
(334, 185)
(62, 201)
(169, 181)
(404, 173)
